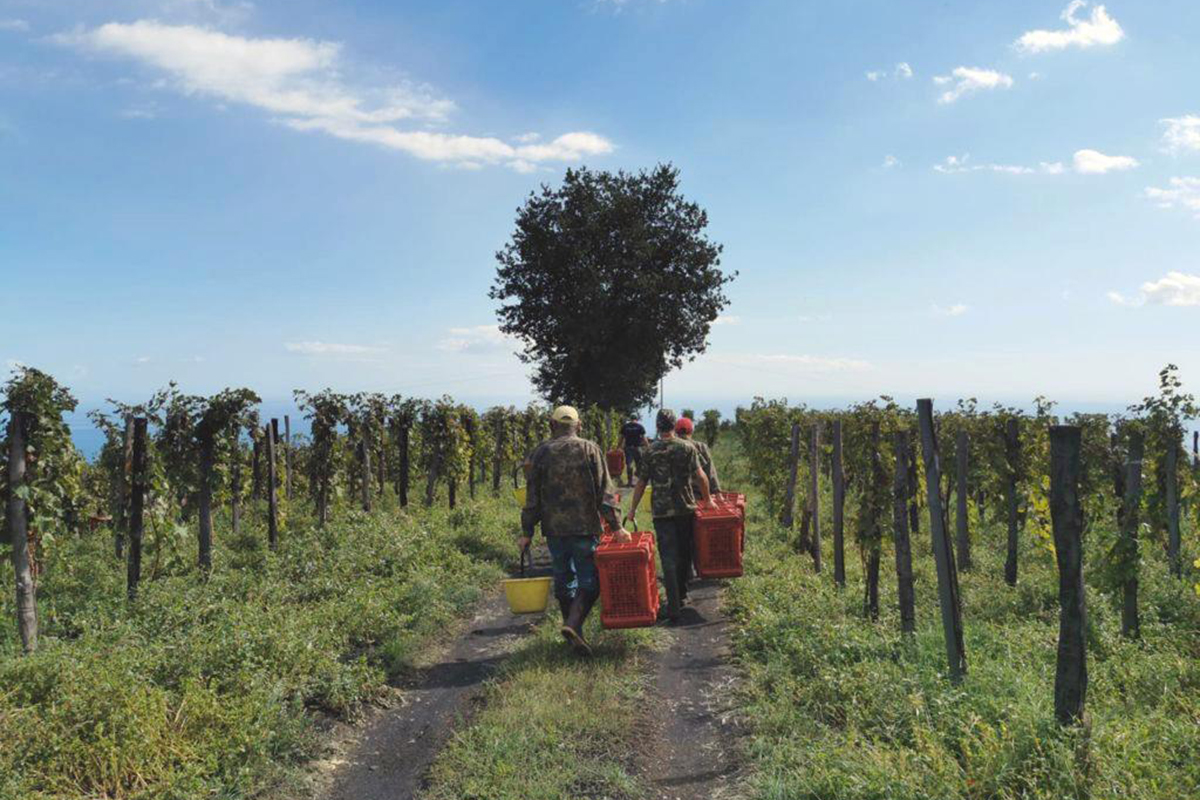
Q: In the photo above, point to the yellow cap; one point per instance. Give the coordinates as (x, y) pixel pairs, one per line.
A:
(565, 414)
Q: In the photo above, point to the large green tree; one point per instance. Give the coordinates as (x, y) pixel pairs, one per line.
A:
(609, 282)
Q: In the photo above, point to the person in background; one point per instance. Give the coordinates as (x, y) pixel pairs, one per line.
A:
(569, 492)
(633, 437)
(672, 467)
(685, 430)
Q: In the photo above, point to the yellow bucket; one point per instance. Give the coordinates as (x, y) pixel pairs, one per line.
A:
(520, 495)
(527, 595)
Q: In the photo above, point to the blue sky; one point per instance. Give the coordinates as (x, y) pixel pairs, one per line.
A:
(991, 198)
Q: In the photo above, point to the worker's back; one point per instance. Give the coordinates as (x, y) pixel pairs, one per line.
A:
(567, 482)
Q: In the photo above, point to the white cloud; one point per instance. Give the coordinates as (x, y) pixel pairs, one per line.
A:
(15, 25)
(477, 339)
(1093, 162)
(1086, 162)
(1173, 289)
(332, 349)
(1182, 133)
(968, 80)
(956, 310)
(902, 72)
(954, 165)
(301, 82)
(727, 319)
(1181, 192)
(890, 161)
(1098, 29)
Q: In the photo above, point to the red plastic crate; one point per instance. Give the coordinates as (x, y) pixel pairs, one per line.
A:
(628, 584)
(720, 540)
(616, 463)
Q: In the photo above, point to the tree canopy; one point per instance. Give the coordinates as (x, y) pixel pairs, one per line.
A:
(609, 282)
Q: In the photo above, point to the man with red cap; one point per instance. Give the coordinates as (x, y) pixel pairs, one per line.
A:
(684, 430)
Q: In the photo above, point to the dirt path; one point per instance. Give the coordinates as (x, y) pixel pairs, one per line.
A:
(389, 757)
(695, 754)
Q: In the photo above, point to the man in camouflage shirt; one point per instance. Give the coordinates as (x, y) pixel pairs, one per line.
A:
(568, 492)
(684, 430)
(670, 465)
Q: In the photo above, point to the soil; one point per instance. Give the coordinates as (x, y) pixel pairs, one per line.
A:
(694, 755)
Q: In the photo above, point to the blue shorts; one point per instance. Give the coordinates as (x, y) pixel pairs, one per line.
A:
(574, 565)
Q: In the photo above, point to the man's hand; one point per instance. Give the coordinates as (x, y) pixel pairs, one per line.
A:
(523, 543)
(623, 536)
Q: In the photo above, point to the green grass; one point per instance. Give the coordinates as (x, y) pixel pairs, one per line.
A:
(213, 687)
(840, 707)
(553, 726)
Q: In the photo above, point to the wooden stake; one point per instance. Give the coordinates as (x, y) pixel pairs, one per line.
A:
(962, 446)
(814, 506)
(1130, 519)
(1171, 475)
(1012, 451)
(1066, 514)
(272, 501)
(287, 457)
(943, 550)
(904, 573)
(839, 508)
(787, 517)
(137, 508)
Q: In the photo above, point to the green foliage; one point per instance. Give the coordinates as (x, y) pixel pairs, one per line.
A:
(710, 426)
(214, 687)
(53, 487)
(609, 281)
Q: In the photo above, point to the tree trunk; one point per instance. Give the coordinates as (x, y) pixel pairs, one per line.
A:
(1129, 522)
(272, 501)
(814, 503)
(18, 531)
(1012, 445)
(137, 508)
(787, 516)
(943, 549)
(904, 573)
(839, 508)
(1066, 513)
(205, 504)
(1171, 474)
(962, 445)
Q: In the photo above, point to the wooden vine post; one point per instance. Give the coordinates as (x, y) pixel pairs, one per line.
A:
(497, 459)
(18, 531)
(789, 496)
(235, 487)
(402, 468)
(839, 508)
(904, 573)
(1012, 454)
(121, 524)
(814, 471)
(364, 452)
(874, 526)
(271, 432)
(1171, 475)
(1128, 547)
(204, 542)
(469, 425)
(137, 508)
(287, 458)
(962, 531)
(943, 550)
(1066, 515)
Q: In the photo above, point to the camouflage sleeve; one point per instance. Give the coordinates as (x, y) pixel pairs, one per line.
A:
(643, 467)
(606, 493)
(714, 484)
(531, 513)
